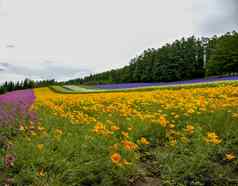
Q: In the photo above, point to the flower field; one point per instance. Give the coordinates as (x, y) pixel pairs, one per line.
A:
(14, 105)
(125, 87)
(160, 137)
(194, 81)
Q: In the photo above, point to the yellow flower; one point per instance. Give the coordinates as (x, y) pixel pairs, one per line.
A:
(58, 133)
(173, 142)
(40, 172)
(116, 158)
(190, 111)
(21, 128)
(33, 133)
(125, 162)
(230, 156)
(40, 128)
(235, 115)
(130, 128)
(144, 141)
(212, 138)
(40, 147)
(171, 126)
(184, 140)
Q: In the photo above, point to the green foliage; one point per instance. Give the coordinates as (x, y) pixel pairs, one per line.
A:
(197, 163)
(76, 158)
(177, 61)
(224, 56)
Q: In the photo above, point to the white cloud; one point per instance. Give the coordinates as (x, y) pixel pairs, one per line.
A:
(94, 35)
(39, 71)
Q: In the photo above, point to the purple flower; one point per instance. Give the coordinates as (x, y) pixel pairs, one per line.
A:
(15, 106)
(136, 85)
(9, 160)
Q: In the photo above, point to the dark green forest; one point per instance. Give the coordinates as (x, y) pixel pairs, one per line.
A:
(26, 84)
(179, 60)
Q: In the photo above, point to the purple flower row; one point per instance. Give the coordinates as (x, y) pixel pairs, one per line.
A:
(15, 106)
(137, 85)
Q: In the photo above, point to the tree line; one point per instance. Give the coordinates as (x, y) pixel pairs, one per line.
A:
(26, 84)
(223, 57)
(179, 60)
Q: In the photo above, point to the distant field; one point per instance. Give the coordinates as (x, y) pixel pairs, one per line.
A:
(175, 83)
(74, 89)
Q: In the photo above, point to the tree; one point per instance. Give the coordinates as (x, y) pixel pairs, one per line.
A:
(224, 58)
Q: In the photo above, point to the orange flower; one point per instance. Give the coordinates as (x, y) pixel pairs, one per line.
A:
(125, 134)
(144, 141)
(129, 145)
(116, 158)
(189, 129)
(230, 156)
(202, 101)
(162, 121)
(99, 128)
(115, 128)
(31, 126)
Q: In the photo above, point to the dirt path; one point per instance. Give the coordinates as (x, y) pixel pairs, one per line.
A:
(148, 171)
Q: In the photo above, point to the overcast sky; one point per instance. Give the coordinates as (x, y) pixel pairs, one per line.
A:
(65, 39)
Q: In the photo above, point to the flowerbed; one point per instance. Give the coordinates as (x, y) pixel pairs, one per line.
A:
(176, 137)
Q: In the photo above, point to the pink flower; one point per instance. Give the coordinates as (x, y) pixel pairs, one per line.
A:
(9, 160)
